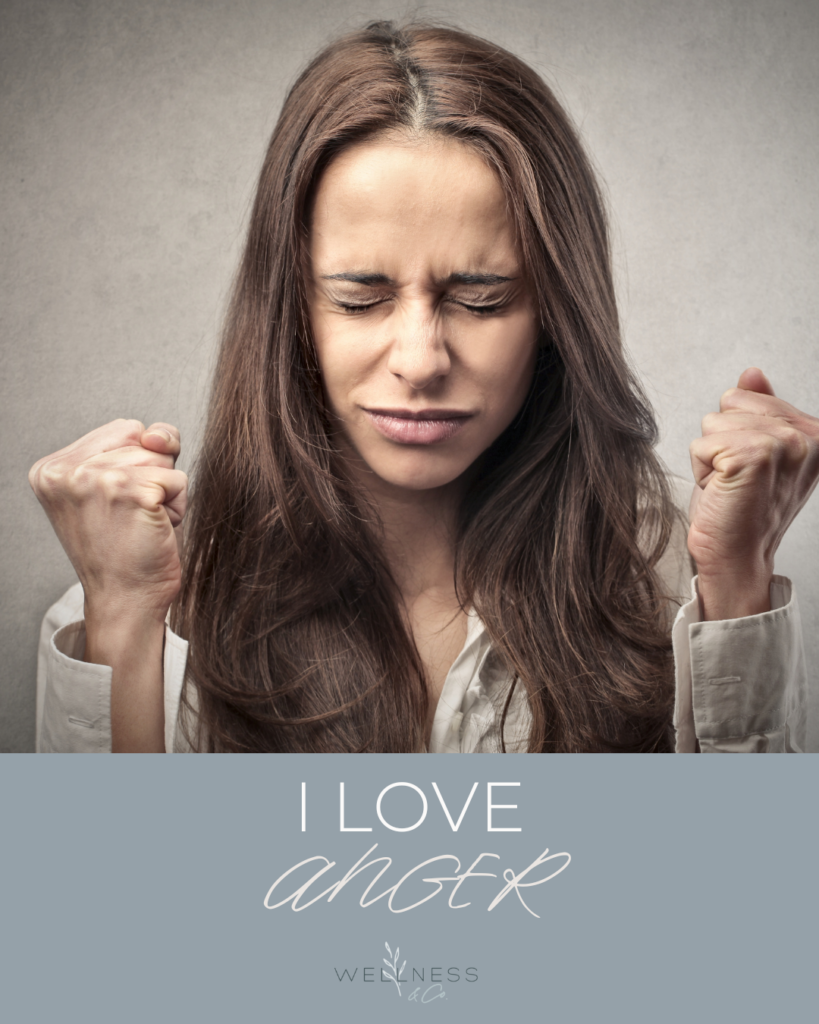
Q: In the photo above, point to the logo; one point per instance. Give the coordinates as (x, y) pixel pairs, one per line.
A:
(420, 983)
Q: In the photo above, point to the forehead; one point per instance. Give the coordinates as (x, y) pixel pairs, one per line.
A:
(405, 204)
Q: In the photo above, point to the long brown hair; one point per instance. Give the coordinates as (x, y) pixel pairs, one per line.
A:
(297, 642)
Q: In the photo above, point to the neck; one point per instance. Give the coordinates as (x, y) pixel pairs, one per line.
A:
(417, 531)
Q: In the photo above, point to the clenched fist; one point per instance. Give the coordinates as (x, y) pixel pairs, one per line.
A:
(755, 467)
(115, 500)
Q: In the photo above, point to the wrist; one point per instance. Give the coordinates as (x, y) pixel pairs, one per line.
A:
(117, 634)
(735, 596)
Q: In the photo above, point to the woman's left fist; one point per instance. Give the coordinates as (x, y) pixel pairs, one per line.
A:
(755, 466)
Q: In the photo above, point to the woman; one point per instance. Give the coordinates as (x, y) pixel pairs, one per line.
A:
(427, 512)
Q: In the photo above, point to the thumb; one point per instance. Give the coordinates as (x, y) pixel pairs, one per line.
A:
(753, 379)
(162, 438)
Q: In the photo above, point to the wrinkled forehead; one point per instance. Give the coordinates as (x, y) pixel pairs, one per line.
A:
(401, 203)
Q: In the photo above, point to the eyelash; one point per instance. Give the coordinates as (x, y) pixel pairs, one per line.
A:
(479, 310)
(355, 309)
(482, 309)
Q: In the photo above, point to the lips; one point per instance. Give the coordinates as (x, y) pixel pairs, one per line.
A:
(427, 426)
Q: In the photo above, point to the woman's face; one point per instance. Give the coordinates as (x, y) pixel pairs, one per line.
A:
(423, 323)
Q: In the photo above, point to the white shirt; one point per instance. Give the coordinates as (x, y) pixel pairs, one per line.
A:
(741, 684)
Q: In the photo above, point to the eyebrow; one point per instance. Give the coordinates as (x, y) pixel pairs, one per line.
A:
(458, 278)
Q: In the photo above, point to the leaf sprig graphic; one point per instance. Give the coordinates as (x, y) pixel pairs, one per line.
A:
(393, 966)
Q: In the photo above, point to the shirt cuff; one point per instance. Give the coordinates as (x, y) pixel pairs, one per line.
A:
(77, 704)
(741, 683)
(77, 701)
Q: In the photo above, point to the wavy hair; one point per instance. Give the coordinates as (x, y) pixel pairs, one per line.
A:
(297, 641)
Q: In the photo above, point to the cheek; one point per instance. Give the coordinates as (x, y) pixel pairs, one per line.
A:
(347, 367)
(508, 373)
(332, 376)
(336, 355)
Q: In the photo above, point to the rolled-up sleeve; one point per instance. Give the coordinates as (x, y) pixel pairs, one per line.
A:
(741, 683)
(74, 696)
(76, 710)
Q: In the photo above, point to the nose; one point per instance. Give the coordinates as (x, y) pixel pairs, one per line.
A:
(418, 351)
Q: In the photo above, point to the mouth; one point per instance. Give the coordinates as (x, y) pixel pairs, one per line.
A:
(426, 426)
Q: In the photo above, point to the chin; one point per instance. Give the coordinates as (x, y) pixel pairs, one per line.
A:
(418, 473)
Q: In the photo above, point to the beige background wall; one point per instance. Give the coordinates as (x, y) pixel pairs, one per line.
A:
(132, 132)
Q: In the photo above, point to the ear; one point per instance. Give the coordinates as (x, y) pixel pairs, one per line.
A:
(753, 379)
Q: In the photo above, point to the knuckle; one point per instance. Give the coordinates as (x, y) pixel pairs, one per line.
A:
(51, 478)
(80, 480)
(710, 422)
(113, 483)
(795, 442)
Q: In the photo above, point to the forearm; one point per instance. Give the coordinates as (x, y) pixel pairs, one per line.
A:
(131, 644)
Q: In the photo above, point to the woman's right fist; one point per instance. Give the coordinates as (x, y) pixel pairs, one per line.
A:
(114, 500)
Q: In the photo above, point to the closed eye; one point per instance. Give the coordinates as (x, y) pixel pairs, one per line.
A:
(483, 310)
(353, 308)
(357, 308)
